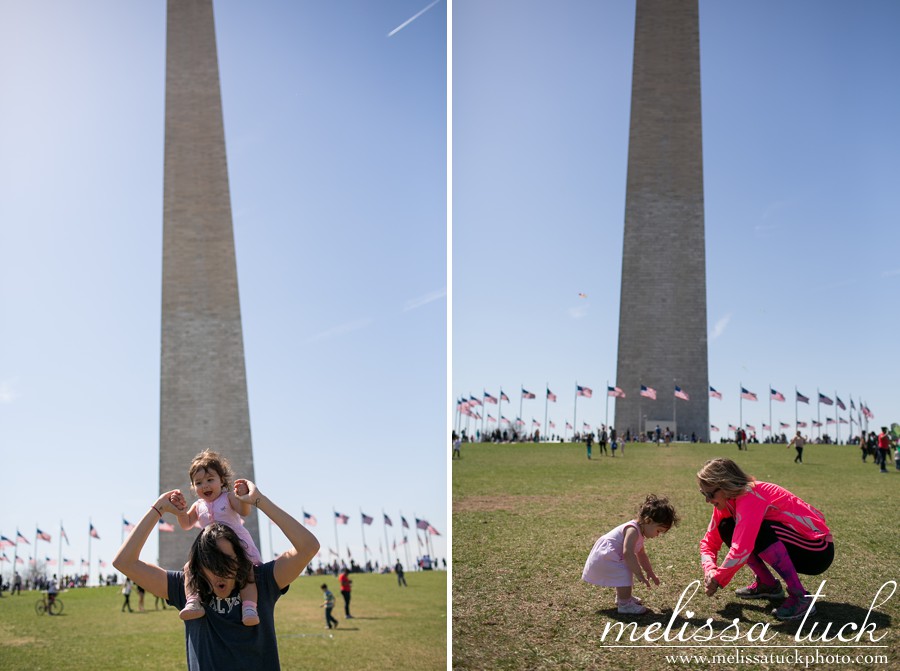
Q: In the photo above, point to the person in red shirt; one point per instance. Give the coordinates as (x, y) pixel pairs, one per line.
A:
(345, 581)
(884, 448)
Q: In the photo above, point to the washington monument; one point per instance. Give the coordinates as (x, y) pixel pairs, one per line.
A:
(662, 318)
(203, 388)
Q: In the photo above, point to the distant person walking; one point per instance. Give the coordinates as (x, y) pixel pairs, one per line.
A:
(589, 441)
(344, 580)
(798, 442)
(884, 448)
(328, 605)
(401, 579)
(602, 439)
(126, 592)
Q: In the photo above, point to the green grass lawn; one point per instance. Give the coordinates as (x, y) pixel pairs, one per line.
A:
(525, 518)
(392, 628)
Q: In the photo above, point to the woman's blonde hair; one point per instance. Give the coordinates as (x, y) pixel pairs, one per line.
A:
(724, 474)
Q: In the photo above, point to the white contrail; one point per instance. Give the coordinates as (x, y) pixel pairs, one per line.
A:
(424, 300)
(408, 21)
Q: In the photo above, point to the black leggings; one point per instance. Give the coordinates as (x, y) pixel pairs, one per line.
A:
(806, 560)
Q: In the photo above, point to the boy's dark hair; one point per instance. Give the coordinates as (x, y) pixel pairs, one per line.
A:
(324, 586)
(205, 554)
(658, 511)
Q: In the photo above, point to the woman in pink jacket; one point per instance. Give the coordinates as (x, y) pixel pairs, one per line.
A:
(761, 523)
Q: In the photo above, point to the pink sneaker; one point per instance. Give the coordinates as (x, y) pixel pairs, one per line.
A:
(249, 616)
(192, 610)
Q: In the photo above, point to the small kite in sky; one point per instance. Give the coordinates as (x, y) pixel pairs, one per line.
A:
(581, 295)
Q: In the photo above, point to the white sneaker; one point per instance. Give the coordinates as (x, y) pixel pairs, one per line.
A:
(636, 599)
(632, 608)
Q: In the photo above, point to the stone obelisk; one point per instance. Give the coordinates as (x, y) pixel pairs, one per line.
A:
(203, 390)
(662, 318)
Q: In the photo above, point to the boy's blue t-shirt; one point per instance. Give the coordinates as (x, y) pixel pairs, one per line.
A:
(219, 640)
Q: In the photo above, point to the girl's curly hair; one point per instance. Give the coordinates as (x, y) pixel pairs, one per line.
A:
(210, 461)
(658, 511)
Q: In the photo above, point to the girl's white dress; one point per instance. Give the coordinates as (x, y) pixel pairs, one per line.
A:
(606, 565)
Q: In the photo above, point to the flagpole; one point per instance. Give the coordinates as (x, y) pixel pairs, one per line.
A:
(405, 543)
(837, 421)
(741, 410)
(575, 415)
(521, 398)
(819, 412)
(606, 420)
(59, 565)
(337, 542)
(675, 408)
(499, 410)
(796, 417)
(362, 528)
(90, 526)
(387, 548)
(483, 412)
(546, 405)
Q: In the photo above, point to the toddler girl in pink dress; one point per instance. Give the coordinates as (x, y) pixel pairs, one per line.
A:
(209, 474)
(618, 555)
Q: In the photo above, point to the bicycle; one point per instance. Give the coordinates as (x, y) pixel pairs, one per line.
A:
(52, 606)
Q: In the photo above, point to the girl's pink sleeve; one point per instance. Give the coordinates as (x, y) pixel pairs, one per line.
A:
(750, 509)
(710, 544)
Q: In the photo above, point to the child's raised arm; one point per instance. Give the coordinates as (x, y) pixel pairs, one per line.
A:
(240, 489)
(631, 537)
(187, 518)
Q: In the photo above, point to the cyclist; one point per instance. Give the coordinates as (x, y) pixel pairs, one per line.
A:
(52, 591)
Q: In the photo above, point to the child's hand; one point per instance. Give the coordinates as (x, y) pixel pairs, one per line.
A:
(645, 580)
(176, 498)
(653, 577)
(246, 491)
(241, 488)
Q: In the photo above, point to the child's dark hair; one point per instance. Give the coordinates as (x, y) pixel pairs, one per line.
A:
(205, 553)
(658, 511)
(210, 461)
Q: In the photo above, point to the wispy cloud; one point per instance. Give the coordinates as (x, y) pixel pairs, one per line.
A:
(424, 300)
(578, 312)
(8, 393)
(337, 331)
(890, 273)
(408, 21)
(720, 326)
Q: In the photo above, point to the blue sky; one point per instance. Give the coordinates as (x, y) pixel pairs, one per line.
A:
(800, 143)
(336, 141)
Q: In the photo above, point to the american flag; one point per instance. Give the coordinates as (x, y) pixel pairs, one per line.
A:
(503, 419)
(489, 399)
(552, 425)
(68, 562)
(713, 427)
(422, 524)
(519, 422)
(816, 423)
(715, 394)
(583, 391)
(802, 425)
(569, 426)
(333, 553)
(802, 399)
(842, 421)
(404, 522)
(648, 392)
(102, 563)
(615, 392)
(784, 426)
(503, 396)
(526, 393)
(43, 536)
(534, 422)
(732, 427)
(829, 421)
(473, 400)
(387, 520)
(340, 518)
(62, 533)
(431, 530)
(19, 537)
(749, 395)
(5, 542)
(776, 395)
(50, 562)
(852, 407)
(491, 419)
(309, 519)
(824, 399)
(868, 413)
(551, 396)
(766, 427)
(94, 533)
(751, 427)
(128, 525)
(165, 526)
(681, 394)
(366, 519)
(585, 426)
(840, 403)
